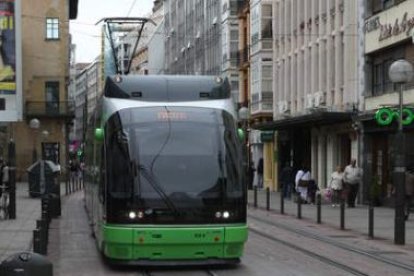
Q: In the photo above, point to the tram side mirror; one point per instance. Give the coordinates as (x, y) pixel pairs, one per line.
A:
(241, 134)
(99, 134)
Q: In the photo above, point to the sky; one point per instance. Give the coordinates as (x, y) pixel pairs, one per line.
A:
(86, 35)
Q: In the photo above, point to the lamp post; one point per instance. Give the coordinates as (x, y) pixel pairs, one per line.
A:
(400, 72)
(35, 125)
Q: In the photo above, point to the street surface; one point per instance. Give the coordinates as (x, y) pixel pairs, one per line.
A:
(277, 245)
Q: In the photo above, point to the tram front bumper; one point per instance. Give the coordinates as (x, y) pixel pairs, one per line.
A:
(174, 243)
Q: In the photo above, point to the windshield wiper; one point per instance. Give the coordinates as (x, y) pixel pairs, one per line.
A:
(154, 184)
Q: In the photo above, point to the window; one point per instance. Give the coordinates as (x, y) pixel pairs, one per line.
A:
(52, 28)
(52, 97)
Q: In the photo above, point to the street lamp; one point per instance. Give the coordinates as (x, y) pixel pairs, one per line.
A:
(400, 72)
(35, 125)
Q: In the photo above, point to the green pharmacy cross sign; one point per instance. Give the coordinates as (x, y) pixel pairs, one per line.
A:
(385, 115)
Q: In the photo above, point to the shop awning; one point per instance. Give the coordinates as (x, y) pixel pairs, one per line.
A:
(308, 120)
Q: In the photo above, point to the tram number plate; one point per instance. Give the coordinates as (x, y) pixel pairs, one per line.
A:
(199, 235)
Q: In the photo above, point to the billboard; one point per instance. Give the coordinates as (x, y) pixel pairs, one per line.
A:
(10, 61)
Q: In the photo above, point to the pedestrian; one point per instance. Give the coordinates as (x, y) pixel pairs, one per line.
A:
(352, 179)
(409, 190)
(336, 185)
(260, 173)
(251, 171)
(286, 180)
(302, 179)
(73, 167)
(5, 178)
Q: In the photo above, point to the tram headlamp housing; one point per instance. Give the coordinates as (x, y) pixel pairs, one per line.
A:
(223, 215)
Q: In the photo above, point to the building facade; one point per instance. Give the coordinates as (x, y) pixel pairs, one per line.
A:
(201, 38)
(388, 37)
(318, 66)
(149, 55)
(46, 48)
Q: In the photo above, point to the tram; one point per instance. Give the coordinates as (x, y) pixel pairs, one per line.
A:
(164, 183)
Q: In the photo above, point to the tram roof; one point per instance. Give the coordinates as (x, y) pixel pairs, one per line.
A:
(167, 88)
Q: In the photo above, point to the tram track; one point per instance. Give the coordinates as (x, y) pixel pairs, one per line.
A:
(319, 257)
(202, 272)
(329, 241)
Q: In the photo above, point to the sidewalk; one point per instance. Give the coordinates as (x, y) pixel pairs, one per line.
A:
(356, 219)
(16, 235)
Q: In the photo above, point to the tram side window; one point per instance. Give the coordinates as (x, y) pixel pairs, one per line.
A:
(120, 178)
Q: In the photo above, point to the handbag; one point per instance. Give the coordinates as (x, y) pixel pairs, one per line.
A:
(303, 183)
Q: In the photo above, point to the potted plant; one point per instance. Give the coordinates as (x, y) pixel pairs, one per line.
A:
(375, 191)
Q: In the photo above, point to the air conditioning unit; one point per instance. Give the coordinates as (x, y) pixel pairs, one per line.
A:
(283, 107)
(310, 102)
(320, 99)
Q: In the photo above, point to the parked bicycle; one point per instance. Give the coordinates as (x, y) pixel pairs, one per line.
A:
(4, 202)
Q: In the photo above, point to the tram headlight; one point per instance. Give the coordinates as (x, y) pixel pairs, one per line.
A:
(226, 214)
(218, 215)
(140, 214)
(132, 215)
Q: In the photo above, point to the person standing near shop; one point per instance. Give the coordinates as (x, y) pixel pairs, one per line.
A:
(352, 180)
(260, 173)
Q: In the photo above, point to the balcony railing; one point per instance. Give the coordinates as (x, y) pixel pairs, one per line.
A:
(243, 56)
(63, 109)
(242, 6)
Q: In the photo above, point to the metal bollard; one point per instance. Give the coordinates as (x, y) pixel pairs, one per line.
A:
(342, 214)
(282, 203)
(318, 208)
(43, 227)
(267, 198)
(371, 220)
(299, 216)
(38, 243)
(255, 196)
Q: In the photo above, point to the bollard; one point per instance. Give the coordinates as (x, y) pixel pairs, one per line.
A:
(255, 196)
(371, 220)
(38, 243)
(342, 214)
(45, 209)
(282, 203)
(43, 227)
(299, 216)
(66, 187)
(318, 208)
(267, 198)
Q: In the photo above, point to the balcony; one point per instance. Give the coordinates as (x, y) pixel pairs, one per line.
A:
(243, 57)
(242, 7)
(57, 110)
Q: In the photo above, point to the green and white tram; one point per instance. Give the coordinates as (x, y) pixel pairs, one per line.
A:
(164, 182)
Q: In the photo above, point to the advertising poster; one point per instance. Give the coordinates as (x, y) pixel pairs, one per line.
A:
(10, 76)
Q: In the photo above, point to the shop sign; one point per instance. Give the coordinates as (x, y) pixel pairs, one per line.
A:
(388, 30)
(385, 116)
(266, 136)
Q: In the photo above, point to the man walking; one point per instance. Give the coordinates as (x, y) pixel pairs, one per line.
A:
(352, 179)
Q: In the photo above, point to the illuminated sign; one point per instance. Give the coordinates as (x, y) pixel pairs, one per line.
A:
(385, 116)
(172, 115)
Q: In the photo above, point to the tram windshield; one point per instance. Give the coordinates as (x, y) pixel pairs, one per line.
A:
(179, 160)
